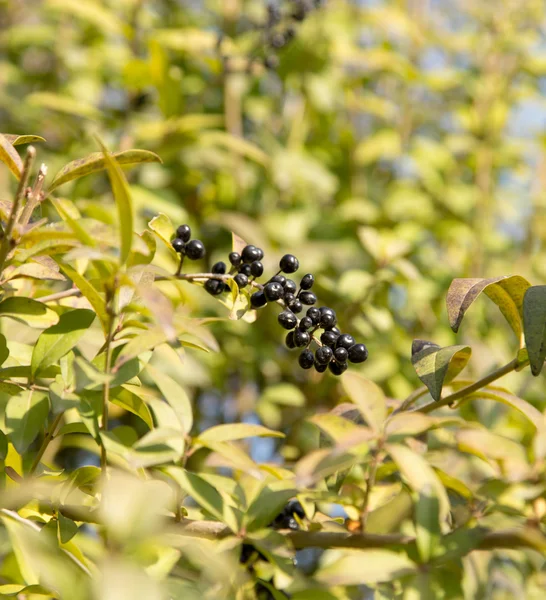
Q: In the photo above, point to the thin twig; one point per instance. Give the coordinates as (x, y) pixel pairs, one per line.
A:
(60, 295)
(106, 388)
(35, 197)
(48, 437)
(370, 483)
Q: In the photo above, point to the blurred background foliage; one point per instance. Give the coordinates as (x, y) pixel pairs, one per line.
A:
(398, 144)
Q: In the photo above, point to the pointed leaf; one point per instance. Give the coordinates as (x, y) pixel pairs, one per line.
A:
(131, 402)
(4, 352)
(437, 366)
(66, 528)
(268, 505)
(506, 292)
(368, 397)
(10, 157)
(31, 312)
(96, 162)
(175, 395)
(26, 414)
(58, 340)
(18, 140)
(237, 243)
(534, 325)
(427, 522)
(236, 431)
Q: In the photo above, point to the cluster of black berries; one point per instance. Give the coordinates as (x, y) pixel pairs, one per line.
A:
(335, 349)
(279, 29)
(184, 245)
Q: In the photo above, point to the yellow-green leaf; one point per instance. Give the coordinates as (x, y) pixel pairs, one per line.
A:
(175, 395)
(534, 325)
(18, 140)
(132, 403)
(26, 414)
(368, 397)
(31, 312)
(10, 157)
(236, 431)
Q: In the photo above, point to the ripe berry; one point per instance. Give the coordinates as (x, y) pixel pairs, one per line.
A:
(195, 249)
(295, 306)
(273, 291)
(288, 297)
(345, 341)
(219, 268)
(241, 280)
(320, 368)
(307, 281)
(337, 368)
(290, 342)
(178, 244)
(308, 298)
(329, 338)
(214, 286)
(277, 40)
(245, 270)
(235, 258)
(287, 319)
(305, 323)
(306, 359)
(258, 300)
(290, 286)
(256, 268)
(341, 354)
(260, 253)
(294, 507)
(279, 279)
(301, 338)
(358, 353)
(250, 254)
(289, 263)
(184, 233)
(323, 355)
(336, 330)
(327, 317)
(314, 314)
(271, 61)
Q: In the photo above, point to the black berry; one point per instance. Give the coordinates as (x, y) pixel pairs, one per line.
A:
(287, 319)
(219, 268)
(305, 323)
(345, 341)
(279, 279)
(214, 286)
(294, 507)
(250, 254)
(241, 280)
(271, 61)
(314, 314)
(289, 297)
(290, 342)
(184, 233)
(335, 330)
(273, 291)
(258, 300)
(245, 270)
(329, 338)
(259, 253)
(337, 368)
(290, 286)
(306, 359)
(308, 298)
(256, 268)
(323, 355)
(295, 306)
(178, 244)
(319, 368)
(235, 258)
(195, 249)
(358, 353)
(327, 317)
(289, 263)
(277, 40)
(341, 354)
(307, 281)
(301, 338)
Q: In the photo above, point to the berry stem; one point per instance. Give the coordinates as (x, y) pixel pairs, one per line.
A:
(179, 270)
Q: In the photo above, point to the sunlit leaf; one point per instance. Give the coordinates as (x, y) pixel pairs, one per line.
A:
(236, 431)
(26, 414)
(18, 140)
(31, 312)
(368, 397)
(427, 522)
(131, 402)
(10, 157)
(175, 395)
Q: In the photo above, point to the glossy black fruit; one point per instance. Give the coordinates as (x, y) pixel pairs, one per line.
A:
(290, 286)
(345, 340)
(329, 338)
(178, 244)
(214, 286)
(241, 280)
(314, 314)
(328, 317)
(287, 319)
(250, 253)
(301, 338)
(195, 249)
(289, 340)
(260, 253)
(258, 300)
(289, 263)
(341, 354)
(337, 368)
(305, 323)
(295, 306)
(323, 355)
(308, 298)
(256, 268)
(294, 507)
(184, 233)
(219, 268)
(273, 291)
(306, 359)
(245, 270)
(319, 368)
(307, 281)
(358, 353)
(279, 279)
(235, 258)
(289, 298)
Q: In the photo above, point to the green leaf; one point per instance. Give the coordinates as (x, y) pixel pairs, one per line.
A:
(534, 326)
(368, 397)
(175, 395)
(64, 104)
(26, 414)
(122, 196)
(235, 144)
(29, 311)
(58, 340)
(147, 340)
(96, 162)
(3, 445)
(18, 140)
(4, 352)
(419, 475)
(334, 426)
(14, 589)
(66, 528)
(10, 157)
(92, 295)
(162, 226)
(363, 567)
(506, 292)
(437, 366)
(236, 431)
(427, 522)
(131, 402)
(60, 398)
(268, 504)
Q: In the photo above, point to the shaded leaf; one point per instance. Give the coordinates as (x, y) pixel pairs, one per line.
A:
(10, 157)
(427, 522)
(268, 504)
(534, 325)
(66, 528)
(26, 414)
(437, 366)
(58, 340)
(31, 312)
(506, 292)
(131, 402)
(368, 397)
(96, 162)
(4, 352)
